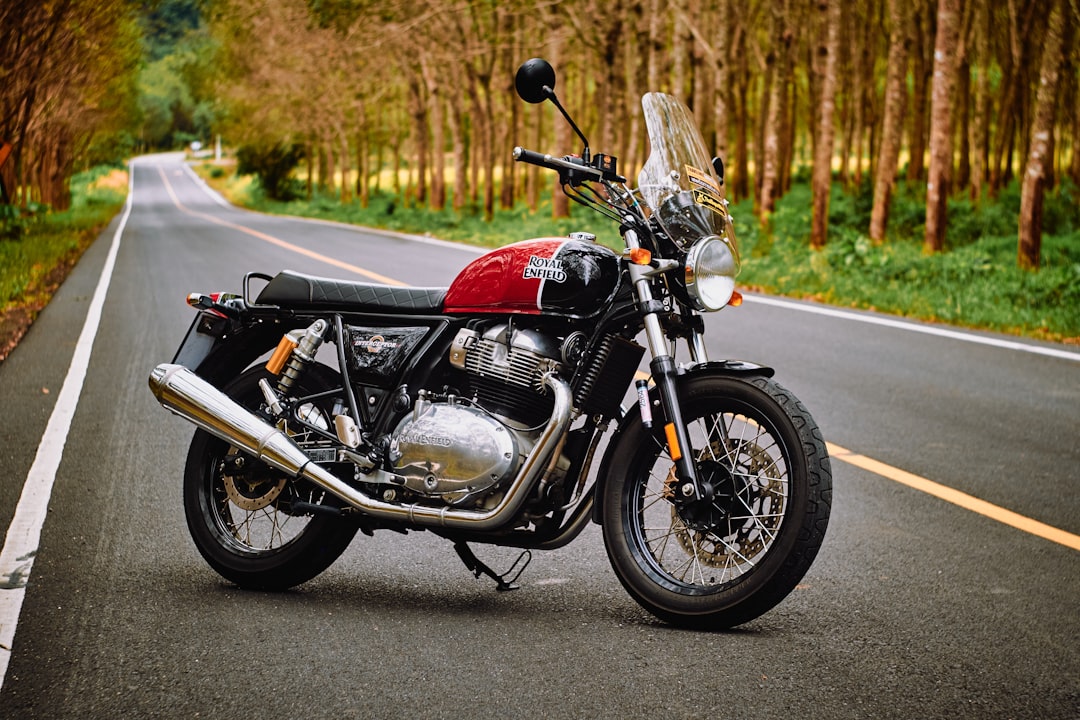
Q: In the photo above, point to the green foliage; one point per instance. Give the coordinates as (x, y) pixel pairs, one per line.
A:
(975, 283)
(175, 94)
(273, 166)
(47, 240)
(165, 23)
(385, 210)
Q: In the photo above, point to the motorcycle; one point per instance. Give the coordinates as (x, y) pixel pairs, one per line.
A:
(477, 411)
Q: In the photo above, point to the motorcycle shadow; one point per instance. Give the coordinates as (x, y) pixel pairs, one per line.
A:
(438, 600)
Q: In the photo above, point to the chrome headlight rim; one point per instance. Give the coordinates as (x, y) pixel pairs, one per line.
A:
(710, 269)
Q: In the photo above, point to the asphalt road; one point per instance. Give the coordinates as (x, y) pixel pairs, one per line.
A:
(917, 607)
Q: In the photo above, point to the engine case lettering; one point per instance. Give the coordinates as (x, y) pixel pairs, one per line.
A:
(454, 452)
(422, 439)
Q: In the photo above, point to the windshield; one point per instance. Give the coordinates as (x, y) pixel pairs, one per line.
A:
(678, 182)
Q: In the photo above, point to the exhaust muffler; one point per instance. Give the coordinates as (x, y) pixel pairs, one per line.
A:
(187, 395)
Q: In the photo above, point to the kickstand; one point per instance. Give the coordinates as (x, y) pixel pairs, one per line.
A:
(478, 568)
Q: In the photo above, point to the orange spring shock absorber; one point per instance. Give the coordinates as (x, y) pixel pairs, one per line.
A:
(294, 352)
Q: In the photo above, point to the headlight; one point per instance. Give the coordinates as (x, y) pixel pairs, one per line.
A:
(711, 267)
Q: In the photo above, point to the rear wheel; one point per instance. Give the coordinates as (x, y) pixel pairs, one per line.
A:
(719, 563)
(244, 516)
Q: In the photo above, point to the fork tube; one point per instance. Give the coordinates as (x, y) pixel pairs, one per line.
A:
(698, 353)
(664, 372)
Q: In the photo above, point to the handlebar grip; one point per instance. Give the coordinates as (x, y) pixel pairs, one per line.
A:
(532, 157)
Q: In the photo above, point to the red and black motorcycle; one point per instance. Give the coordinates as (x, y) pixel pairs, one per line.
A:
(477, 411)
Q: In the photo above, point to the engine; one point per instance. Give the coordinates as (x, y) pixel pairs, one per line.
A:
(462, 450)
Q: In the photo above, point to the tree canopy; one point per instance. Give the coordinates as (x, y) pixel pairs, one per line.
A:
(950, 97)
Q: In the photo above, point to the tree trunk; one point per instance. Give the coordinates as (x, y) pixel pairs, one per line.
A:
(1040, 155)
(560, 204)
(419, 112)
(921, 69)
(438, 138)
(460, 152)
(980, 127)
(1009, 109)
(741, 185)
(309, 155)
(346, 196)
(775, 124)
(721, 83)
(1074, 167)
(363, 167)
(963, 94)
(327, 149)
(893, 124)
(823, 145)
(938, 175)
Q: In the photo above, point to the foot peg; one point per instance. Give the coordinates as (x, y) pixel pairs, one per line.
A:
(478, 568)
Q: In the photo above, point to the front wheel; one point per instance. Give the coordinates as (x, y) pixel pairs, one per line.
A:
(245, 517)
(719, 563)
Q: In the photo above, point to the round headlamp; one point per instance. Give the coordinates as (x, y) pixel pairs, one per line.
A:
(711, 267)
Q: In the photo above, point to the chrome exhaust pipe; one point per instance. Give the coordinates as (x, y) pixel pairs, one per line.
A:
(187, 395)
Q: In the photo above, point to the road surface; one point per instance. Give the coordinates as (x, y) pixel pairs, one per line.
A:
(948, 585)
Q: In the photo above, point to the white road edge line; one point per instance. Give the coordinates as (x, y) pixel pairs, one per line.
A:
(24, 533)
(912, 327)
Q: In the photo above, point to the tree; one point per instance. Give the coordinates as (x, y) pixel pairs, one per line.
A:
(892, 125)
(1040, 156)
(780, 57)
(823, 144)
(938, 174)
(424, 85)
(54, 102)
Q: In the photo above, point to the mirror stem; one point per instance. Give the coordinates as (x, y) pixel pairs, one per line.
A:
(551, 96)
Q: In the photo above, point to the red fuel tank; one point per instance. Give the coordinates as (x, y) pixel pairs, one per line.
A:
(549, 276)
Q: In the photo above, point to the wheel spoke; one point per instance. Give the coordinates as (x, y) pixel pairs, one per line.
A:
(751, 473)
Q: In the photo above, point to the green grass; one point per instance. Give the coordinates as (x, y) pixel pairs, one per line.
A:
(35, 244)
(388, 212)
(976, 283)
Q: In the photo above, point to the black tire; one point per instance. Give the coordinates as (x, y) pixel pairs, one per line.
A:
(242, 523)
(716, 565)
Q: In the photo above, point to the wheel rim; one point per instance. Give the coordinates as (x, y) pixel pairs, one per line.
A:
(251, 504)
(707, 547)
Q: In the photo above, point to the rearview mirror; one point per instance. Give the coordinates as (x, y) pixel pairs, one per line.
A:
(535, 81)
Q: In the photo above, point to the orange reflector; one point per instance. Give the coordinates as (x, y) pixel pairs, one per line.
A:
(673, 441)
(736, 299)
(640, 256)
(281, 355)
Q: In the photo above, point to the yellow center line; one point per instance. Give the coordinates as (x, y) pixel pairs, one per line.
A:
(956, 497)
(277, 241)
(948, 494)
(942, 492)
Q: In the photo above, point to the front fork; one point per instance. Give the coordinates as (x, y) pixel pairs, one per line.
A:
(665, 373)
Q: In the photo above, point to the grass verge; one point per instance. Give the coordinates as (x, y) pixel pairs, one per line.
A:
(974, 284)
(39, 248)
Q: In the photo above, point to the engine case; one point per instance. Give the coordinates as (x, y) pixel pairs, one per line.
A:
(454, 452)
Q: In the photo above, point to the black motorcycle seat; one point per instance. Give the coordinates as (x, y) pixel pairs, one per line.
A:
(296, 290)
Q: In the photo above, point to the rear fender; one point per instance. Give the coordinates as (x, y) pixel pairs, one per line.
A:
(219, 348)
(631, 433)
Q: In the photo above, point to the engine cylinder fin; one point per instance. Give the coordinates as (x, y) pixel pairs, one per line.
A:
(509, 380)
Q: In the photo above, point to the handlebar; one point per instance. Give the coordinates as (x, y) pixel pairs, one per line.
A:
(575, 166)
